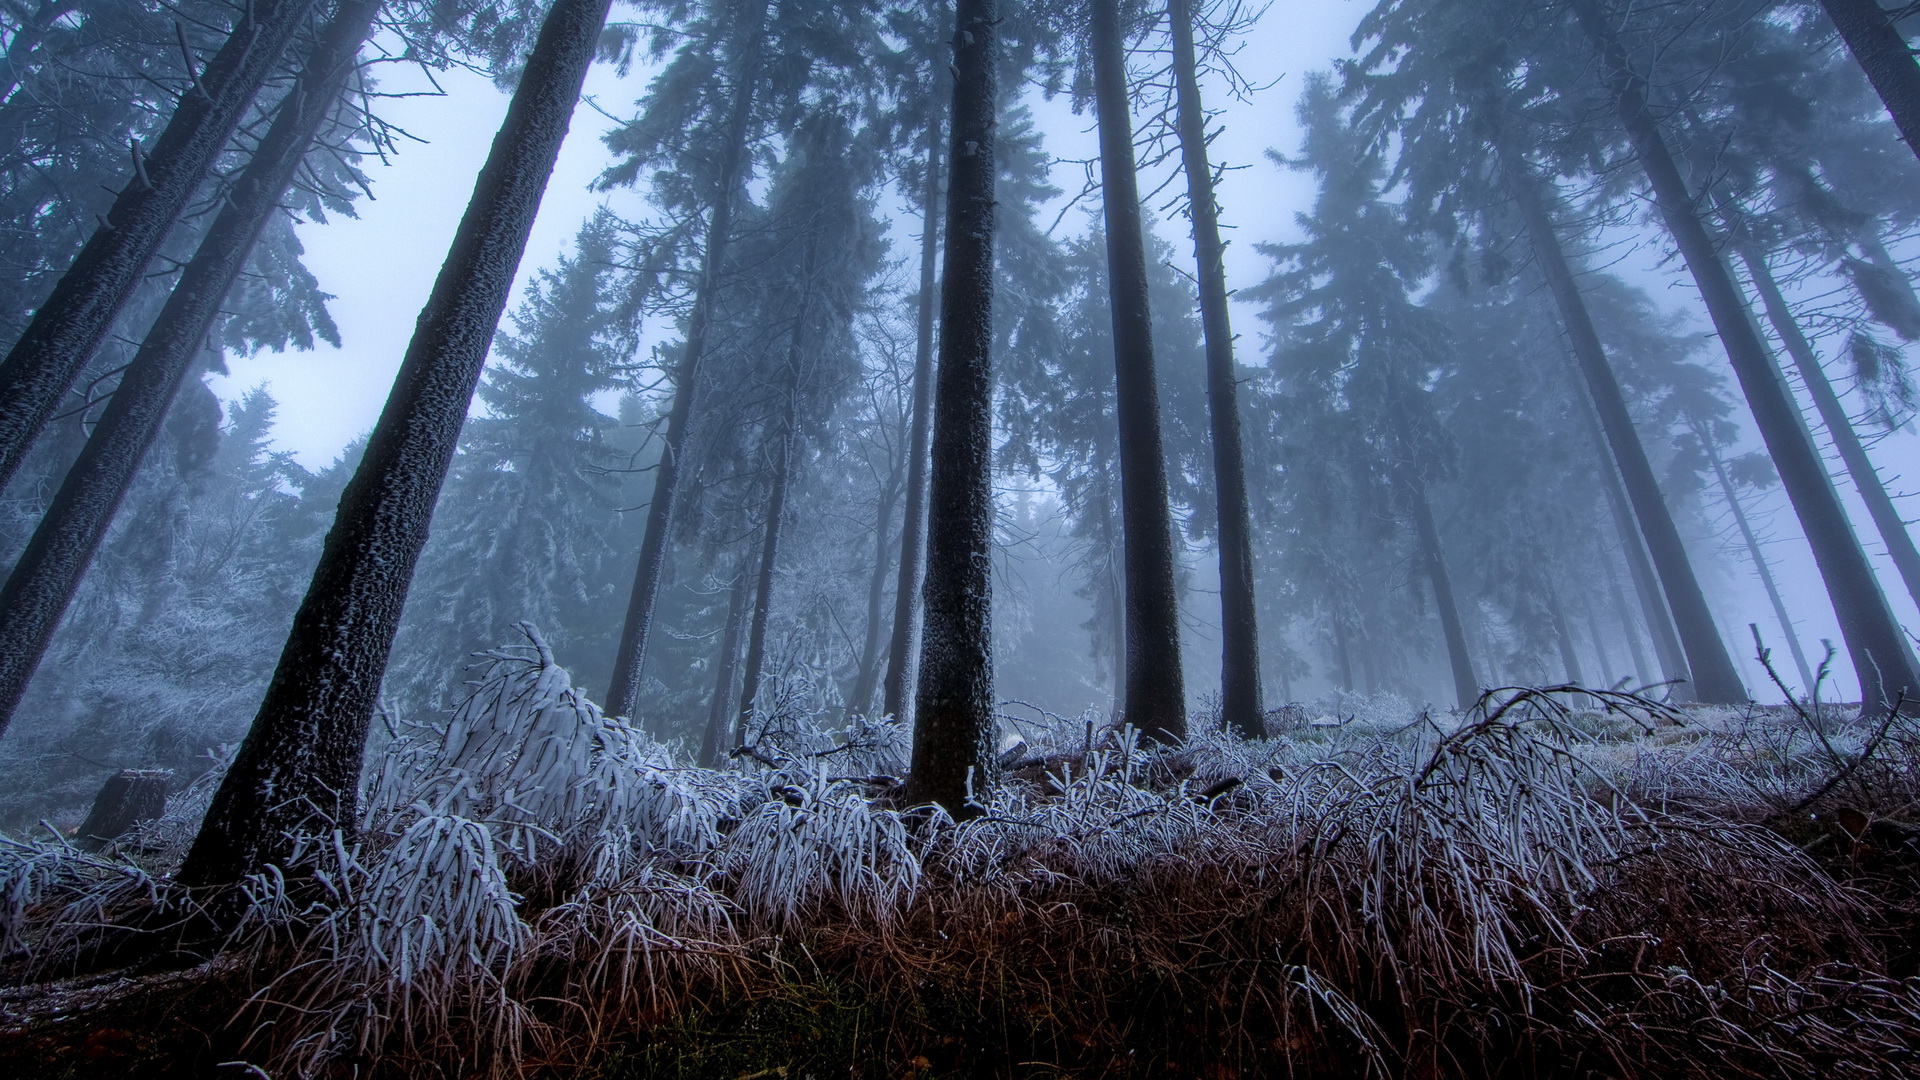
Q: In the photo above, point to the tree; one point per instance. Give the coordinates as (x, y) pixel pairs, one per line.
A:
(1882, 52)
(300, 763)
(1155, 694)
(954, 706)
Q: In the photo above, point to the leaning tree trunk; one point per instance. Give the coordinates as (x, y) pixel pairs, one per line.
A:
(69, 327)
(1882, 53)
(629, 660)
(719, 707)
(1759, 558)
(1866, 479)
(953, 735)
(1466, 689)
(897, 693)
(763, 597)
(1881, 658)
(299, 766)
(1709, 668)
(868, 670)
(1240, 705)
(43, 581)
(1156, 701)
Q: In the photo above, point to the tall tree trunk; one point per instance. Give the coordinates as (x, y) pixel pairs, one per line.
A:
(1466, 688)
(1881, 658)
(1156, 701)
(1630, 630)
(13, 63)
(897, 696)
(869, 669)
(43, 581)
(1672, 660)
(1753, 552)
(763, 594)
(68, 328)
(1608, 676)
(720, 706)
(300, 763)
(1708, 667)
(953, 737)
(629, 660)
(1882, 53)
(1240, 697)
(1866, 479)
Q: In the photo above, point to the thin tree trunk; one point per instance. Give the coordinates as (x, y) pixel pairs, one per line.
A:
(720, 705)
(68, 328)
(869, 669)
(1672, 661)
(953, 739)
(1866, 479)
(1881, 658)
(629, 660)
(299, 767)
(1708, 667)
(1466, 688)
(1882, 53)
(1630, 629)
(48, 572)
(897, 697)
(763, 594)
(1156, 700)
(1563, 635)
(1608, 676)
(1758, 557)
(1240, 697)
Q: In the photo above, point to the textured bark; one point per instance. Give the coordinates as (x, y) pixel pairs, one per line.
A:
(869, 667)
(763, 592)
(1866, 479)
(43, 581)
(897, 697)
(1710, 671)
(1156, 700)
(300, 763)
(1881, 658)
(1240, 697)
(719, 707)
(629, 660)
(128, 798)
(67, 330)
(953, 706)
(1466, 689)
(1882, 53)
(1759, 558)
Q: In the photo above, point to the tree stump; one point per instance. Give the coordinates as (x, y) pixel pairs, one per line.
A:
(128, 798)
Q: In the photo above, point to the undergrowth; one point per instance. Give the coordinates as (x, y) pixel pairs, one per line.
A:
(1561, 882)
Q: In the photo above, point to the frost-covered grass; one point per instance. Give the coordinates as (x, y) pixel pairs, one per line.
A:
(1557, 883)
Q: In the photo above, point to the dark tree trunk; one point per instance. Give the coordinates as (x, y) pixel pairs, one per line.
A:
(1708, 667)
(1156, 700)
(953, 738)
(629, 661)
(869, 667)
(897, 696)
(1759, 558)
(720, 706)
(1866, 479)
(68, 328)
(1630, 630)
(300, 763)
(1672, 661)
(25, 40)
(1882, 53)
(128, 798)
(1880, 655)
(1466, 688)
(763, 594)
(1240, 704)
(48, 572)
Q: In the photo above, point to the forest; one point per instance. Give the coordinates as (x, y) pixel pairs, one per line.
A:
(1015, 539)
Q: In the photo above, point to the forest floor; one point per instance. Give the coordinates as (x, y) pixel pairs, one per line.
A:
(1556, 884)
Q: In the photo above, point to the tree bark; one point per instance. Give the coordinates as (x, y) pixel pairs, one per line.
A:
(1866, 479)
(1882, 661)
(1466, 688)
(869, 667)
(1156, 701)
(1882, 53)
(763, 595)
(1759, 558)
(629, 661)
(68, 328)
(44, 579)
(1709, 669)
(953, 740)
(897, 697)
(719, 706)
(1240, 696)
(299, 766)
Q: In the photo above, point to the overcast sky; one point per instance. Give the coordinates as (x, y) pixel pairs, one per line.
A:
(381, 266)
